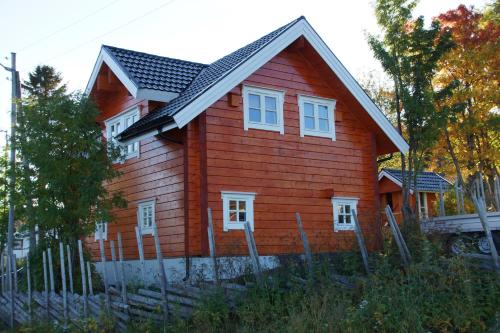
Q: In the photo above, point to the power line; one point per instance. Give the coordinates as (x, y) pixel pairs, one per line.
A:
(68, 26)
(112, 30)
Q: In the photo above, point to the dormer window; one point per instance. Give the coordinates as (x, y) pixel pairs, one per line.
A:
(118, 124)
(263, 109)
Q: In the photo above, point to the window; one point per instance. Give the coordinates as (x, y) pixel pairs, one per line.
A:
(423, 208)
(316, 116)
(342, 213)
(237, 209)
(118, 124)
(146, 216)
(263, 109)
(101, 229)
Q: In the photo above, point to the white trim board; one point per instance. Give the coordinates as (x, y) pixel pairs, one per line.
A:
(136, 92)
(239, 74)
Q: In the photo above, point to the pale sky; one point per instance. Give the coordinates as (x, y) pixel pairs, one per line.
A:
(68, 34)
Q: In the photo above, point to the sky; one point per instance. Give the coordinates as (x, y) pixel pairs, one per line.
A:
(68, 34)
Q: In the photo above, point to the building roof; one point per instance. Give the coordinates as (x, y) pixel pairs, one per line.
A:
(427, 181)
(155, 72)
(190, 88)
(205, 78)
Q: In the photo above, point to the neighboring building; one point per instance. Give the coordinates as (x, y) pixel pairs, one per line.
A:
(276, 127)
(428, 187)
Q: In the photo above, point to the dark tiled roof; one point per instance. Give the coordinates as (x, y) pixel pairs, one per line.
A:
(154, 72)
(207, 77)
(426, 181)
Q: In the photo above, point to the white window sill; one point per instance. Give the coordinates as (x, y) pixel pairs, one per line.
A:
(236, 226)
(266, 127)
(338, 227)
(147, 231)
(318, 134)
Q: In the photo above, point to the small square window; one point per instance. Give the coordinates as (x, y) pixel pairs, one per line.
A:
(342, 213)
(263, 109)
(316, 116)
(146, 216)
(101, 231)
(237, 209)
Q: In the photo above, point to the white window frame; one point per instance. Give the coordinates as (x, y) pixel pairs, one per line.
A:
(140, 217)
(330, 104)
(104, 233)
(249, 198)
(263, 92)
(353, 202)
(121, 118)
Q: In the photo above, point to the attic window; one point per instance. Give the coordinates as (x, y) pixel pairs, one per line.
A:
(263, 109)
(118, 124)
(317, 116)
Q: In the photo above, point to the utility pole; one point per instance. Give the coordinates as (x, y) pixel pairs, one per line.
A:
(16, 94)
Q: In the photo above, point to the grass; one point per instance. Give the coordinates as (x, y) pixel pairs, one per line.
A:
(437, 293)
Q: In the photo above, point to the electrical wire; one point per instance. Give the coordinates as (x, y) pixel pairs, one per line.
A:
(111, 31)
(52, 34)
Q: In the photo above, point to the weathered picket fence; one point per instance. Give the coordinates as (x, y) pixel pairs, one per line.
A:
(66, 307)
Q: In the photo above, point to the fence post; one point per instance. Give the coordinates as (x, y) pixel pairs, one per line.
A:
(161, 268)
(2, 278)
(122, 269)
(480, 205)
(138, 235)
(46, 284)
(113, 259)
(51, 272)
(305, 243)
(63, 280)
(14, 267)
(211, 243)
(254, 255)
(496, 190)
(84, 284)
(11, 289)
(89, 276)
(28, 282)
(104, 271)
(70, 268)
(361, 241)
(403, 250)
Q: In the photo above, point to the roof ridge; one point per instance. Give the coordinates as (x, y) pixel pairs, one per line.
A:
(283, 28)
(155, 55)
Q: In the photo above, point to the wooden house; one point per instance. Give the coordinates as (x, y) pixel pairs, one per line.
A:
(424, 199)
(276, 127)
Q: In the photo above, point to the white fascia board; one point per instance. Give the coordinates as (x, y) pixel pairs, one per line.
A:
(105, 57)
(301, 28)
(238, 75)
(392, 179)
(354, 88)
(143, 93)
(148, 134)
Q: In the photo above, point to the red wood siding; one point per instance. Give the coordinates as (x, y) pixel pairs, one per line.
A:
(157, 174)
(289, 173)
